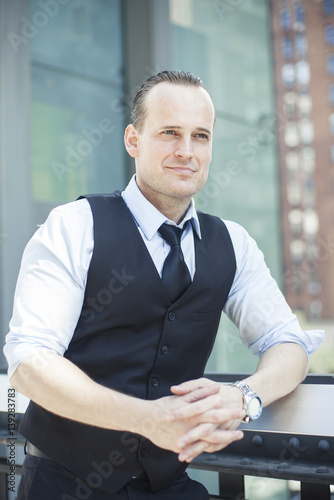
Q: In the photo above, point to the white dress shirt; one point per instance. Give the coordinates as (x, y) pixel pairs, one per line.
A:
(52, 279)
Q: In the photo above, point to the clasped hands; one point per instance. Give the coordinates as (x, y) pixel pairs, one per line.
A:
(202, 415)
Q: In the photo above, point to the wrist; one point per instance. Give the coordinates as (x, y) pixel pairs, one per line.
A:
(233, 397)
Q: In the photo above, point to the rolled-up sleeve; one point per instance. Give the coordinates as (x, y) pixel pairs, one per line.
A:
(257, 306)
(51, 285)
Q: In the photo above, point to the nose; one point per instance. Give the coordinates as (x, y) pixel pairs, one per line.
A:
(184, 148)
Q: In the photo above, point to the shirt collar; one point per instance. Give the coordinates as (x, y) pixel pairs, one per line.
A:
(147, 217)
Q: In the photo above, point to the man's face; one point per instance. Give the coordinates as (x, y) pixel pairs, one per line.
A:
(173, 150)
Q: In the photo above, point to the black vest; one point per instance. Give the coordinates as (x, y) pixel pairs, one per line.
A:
(129, 337)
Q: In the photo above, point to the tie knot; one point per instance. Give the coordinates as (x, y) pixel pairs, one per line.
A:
(171, 234)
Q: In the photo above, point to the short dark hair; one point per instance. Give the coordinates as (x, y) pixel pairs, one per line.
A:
(139, 111)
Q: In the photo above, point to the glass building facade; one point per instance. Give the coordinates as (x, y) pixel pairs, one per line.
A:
(230, 48)
(69, 70)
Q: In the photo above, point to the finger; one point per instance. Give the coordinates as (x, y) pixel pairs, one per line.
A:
(196, 395)
(207, 410)
(227, 418)
(198, 433)
(210, 433)
(192, 385)
(198, 406)
(188, 454)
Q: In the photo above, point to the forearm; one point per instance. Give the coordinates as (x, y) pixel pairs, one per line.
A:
(279, 371)
(62, 388)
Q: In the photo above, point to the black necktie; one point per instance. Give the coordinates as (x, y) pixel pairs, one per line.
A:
(175, 275)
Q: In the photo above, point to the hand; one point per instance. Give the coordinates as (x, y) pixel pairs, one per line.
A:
(168, 427)
(213, 413)
(160, 428)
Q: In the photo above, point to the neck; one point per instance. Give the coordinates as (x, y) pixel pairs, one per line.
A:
(173, 208)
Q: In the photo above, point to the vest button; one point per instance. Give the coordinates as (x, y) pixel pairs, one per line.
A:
(171, 316)
(155, 382)
(164, 349)
(143, 452)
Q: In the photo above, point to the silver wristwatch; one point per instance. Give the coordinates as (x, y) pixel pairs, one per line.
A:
(251, 402)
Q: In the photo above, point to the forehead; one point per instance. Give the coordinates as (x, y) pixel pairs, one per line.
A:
(183, 104)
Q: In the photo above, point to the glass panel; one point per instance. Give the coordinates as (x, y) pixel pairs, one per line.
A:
(330, 64)
(76, 75)
(285, 19)
(328, 7)
(230, 50)
(329, 34)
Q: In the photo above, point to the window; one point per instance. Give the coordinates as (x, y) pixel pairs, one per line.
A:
(295, 218)
(300, 15)
(297, 249)
(287, 50)
(293, 193)
(329, 34)
(289, 103)
(332, 153)
(330, 64)
(300, 45)
(331, 123)
(291, 135)
(307, 159)
(328, 7)
(285, 19)
(303, 73)
(306, 130)
(74, 130)
(305, 103)
(331, 94)
(288, 75)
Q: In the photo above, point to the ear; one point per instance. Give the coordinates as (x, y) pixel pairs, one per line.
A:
(131, 141)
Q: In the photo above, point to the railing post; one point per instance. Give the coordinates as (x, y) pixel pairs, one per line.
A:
(309, 491)
(231, 486)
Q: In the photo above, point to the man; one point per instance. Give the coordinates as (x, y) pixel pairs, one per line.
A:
(110, 354)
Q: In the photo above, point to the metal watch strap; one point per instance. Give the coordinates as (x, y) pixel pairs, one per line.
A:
(246, 391)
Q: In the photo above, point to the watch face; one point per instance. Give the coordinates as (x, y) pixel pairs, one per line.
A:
(254, 408)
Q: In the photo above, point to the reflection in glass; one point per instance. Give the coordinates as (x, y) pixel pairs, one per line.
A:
(303, 72)
(330, 64)
(305, 103)
(295, 218)
(291, 134)
(288, 75)
(300, 45)
(329, 35)
(289, 103)
(297, 249)
(306, 129)
(310, 223)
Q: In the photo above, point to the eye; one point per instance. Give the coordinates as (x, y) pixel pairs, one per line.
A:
(203, 136)
(169, 132)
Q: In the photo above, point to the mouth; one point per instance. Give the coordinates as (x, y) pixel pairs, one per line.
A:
(182, 169)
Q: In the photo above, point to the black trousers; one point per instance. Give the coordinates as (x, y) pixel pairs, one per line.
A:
(45, 480)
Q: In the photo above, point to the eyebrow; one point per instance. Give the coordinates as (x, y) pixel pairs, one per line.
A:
(202, 129)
